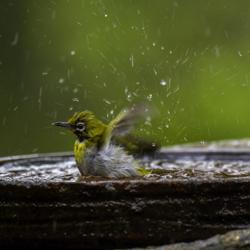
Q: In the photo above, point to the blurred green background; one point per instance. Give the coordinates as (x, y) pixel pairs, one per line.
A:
(190, 59)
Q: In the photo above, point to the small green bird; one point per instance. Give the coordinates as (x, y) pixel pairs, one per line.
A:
(102, 150)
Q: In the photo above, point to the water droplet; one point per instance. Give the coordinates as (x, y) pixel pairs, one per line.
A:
(61, 80)
(107, 101)
(75, 99)
(15, 40)
(217, 51)
(163, 83)
(132, 60)
(148, 121)
(75, 90)
(34, 150)
(129, 97)
(149, 97)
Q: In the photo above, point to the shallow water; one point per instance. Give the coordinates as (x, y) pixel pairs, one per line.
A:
(49, 170)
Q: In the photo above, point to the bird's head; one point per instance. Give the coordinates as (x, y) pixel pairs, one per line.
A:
(84, 125)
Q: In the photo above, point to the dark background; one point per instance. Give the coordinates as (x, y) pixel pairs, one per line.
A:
(190, 59)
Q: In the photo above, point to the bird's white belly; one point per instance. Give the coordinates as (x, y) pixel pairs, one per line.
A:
(111, 162)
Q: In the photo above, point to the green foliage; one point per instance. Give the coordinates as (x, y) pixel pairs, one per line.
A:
(189, 58)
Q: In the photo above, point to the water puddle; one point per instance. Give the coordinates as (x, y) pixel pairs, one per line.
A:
(49, 170)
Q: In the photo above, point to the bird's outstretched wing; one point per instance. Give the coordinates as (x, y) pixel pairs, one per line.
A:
(124, 122)
(136, 145)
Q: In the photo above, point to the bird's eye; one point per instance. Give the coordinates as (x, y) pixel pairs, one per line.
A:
(80, 126)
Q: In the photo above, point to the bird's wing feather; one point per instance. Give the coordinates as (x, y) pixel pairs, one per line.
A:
(124, 122)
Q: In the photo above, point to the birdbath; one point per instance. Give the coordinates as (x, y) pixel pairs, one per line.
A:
(194, 192)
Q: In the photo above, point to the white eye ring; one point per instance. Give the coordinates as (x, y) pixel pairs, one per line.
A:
(80, 126)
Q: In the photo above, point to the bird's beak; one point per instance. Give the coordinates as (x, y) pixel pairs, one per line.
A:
(62, 124)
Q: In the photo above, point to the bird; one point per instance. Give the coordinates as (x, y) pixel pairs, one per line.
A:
(105, 149)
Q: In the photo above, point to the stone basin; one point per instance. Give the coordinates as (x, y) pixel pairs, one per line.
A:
(194, 192)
